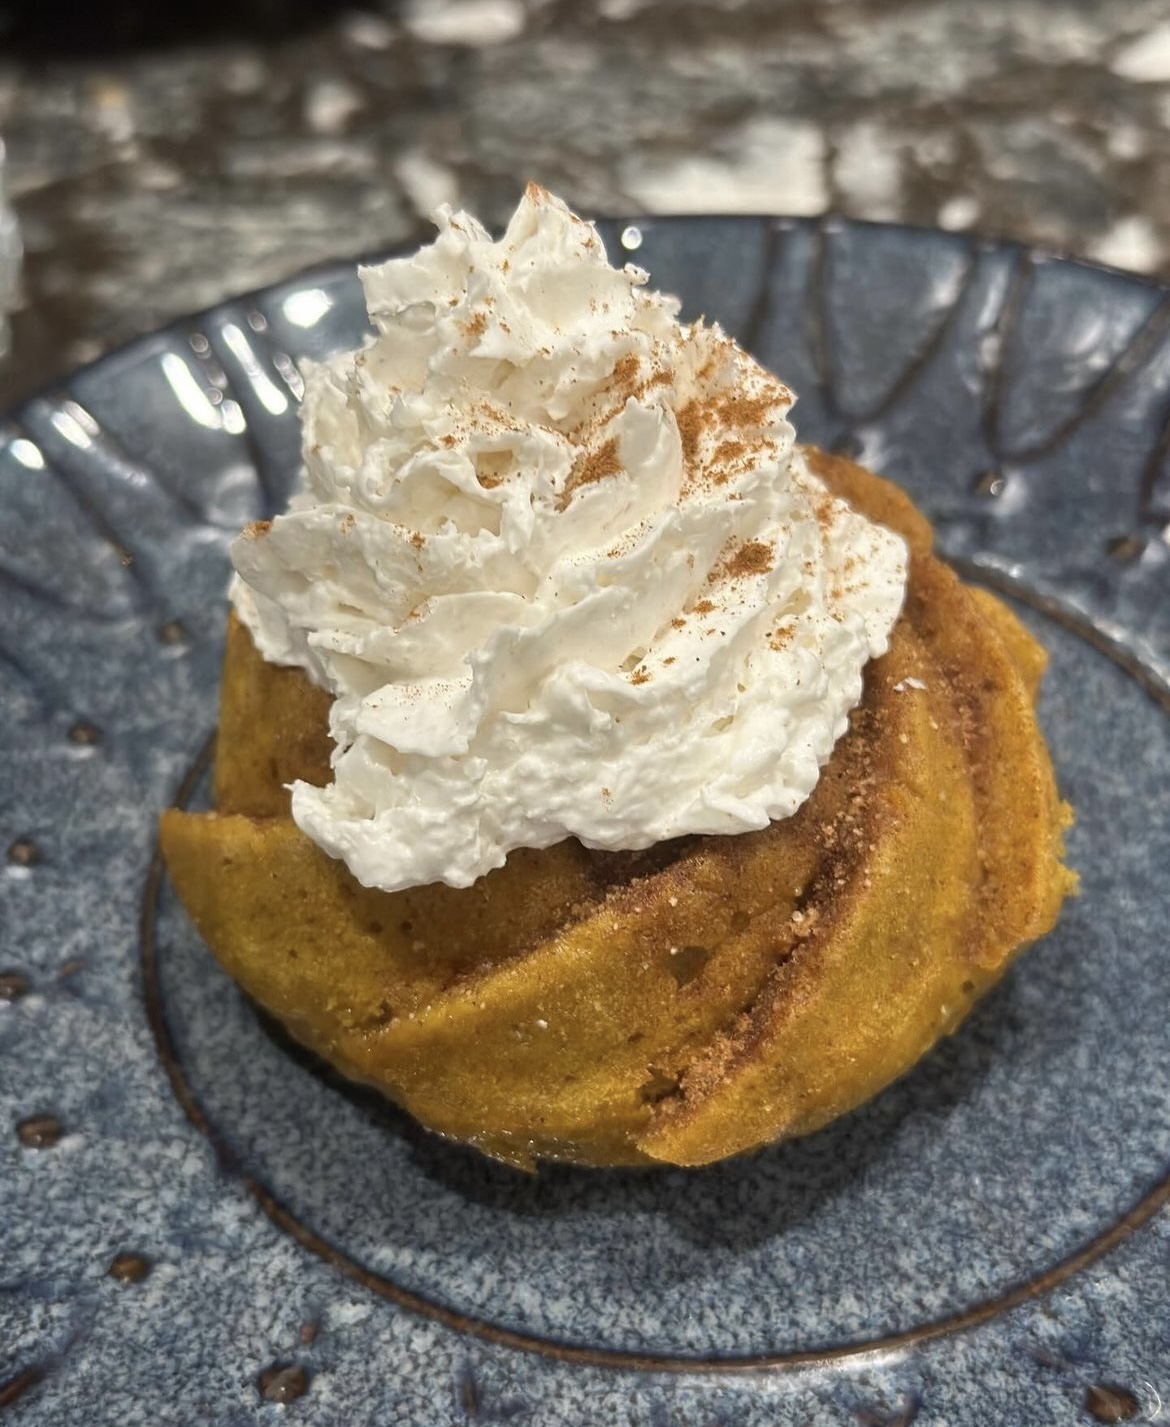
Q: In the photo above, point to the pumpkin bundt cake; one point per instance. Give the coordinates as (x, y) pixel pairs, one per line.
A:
(656, 793)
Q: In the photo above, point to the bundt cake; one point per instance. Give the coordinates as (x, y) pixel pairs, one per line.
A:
(600, 774)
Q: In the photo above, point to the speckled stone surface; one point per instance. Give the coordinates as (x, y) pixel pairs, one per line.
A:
(197, 1224)
(163, 157)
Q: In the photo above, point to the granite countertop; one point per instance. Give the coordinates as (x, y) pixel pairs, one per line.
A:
(160, 164)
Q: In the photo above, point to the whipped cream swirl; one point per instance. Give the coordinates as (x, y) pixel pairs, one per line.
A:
(560, 564)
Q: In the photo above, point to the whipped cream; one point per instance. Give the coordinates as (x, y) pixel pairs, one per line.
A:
(560, 564)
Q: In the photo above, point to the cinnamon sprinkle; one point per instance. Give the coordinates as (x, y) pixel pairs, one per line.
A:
(824, 509)
(692, 423)
(625, 372)
(741, 411)
(754, 557)
(728, 451)
(592, 466)
(734, 422)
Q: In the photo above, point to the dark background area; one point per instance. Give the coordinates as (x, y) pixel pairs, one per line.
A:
(162, 157)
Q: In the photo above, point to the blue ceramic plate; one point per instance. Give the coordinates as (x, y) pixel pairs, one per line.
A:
(197, 1222)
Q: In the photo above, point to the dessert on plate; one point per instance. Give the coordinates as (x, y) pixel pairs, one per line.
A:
(601, 774)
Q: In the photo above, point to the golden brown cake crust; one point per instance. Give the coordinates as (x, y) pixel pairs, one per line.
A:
(694, 1001)
(273, 729)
